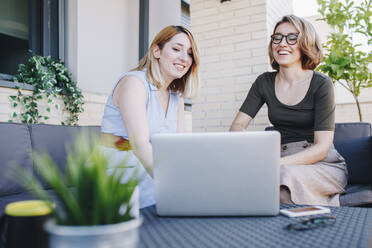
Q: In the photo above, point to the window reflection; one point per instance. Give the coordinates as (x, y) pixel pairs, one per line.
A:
(14, 34)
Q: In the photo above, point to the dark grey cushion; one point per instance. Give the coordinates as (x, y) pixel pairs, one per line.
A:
(351, 130)
(358, 156)
(357, 195)
(15, 147)
(54, 138)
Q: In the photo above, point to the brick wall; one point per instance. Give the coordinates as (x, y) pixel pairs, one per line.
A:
(92, 115)
(93, 108)
(348, 112)
(94, 105)
(232, 38)
(188, 122)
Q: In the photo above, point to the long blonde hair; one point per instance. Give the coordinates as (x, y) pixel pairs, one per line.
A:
(309, 43)
(186, 85)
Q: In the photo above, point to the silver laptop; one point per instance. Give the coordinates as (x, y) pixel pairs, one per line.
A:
(211, 174)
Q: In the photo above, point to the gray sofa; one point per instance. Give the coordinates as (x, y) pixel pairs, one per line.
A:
(353, 140)
(354, 143)
(16, 142)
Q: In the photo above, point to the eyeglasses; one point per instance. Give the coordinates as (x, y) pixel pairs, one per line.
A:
(290, 38)
(311, 223)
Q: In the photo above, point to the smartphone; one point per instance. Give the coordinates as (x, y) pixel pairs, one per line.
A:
(304, 211)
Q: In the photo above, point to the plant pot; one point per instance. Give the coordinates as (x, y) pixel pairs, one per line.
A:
(123, 234)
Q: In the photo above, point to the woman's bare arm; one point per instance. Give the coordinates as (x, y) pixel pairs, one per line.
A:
(130, 96)
(323, 141)
(241, 122)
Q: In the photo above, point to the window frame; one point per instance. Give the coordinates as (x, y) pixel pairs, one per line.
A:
(45, 29)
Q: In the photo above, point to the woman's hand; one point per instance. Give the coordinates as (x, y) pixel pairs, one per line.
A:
(323, 141)
(130, 97)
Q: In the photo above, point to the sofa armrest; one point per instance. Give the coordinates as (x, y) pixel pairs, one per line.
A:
(15, 148)
(357, 195)
(358, 156)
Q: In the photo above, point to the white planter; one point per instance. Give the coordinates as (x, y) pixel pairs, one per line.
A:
(123, 234)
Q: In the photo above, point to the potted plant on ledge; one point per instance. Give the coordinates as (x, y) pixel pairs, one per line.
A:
(93, 208)
(51, 81)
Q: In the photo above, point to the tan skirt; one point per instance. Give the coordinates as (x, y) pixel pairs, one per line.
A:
(314, 184)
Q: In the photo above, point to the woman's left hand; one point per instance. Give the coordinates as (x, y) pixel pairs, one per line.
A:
(323, 141)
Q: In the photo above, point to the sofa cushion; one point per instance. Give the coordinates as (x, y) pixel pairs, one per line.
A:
(358, 155)
(351, 130)
(15, 147)
(357, 195)
(54, 138)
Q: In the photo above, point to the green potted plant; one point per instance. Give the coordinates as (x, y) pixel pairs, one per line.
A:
(51, 80)
(344, 61)
(93, 208)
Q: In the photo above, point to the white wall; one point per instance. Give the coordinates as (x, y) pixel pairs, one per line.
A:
(101, 41)
(275, 11)
(163, 13)
(71, 38)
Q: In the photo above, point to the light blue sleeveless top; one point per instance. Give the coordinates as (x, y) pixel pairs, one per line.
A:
(157, 122)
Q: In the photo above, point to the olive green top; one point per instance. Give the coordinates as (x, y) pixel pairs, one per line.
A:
(315, 112)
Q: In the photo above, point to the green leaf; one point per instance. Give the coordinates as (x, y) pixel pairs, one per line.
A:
(49, 77)
(343, 60)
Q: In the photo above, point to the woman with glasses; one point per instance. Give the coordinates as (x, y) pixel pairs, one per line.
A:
(301, 107)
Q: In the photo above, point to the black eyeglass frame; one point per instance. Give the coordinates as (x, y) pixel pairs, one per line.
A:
(311, 223)
(286, 38)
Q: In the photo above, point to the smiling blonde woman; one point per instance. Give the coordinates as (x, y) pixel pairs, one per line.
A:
(301, 107)
(149, 100)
